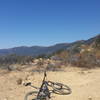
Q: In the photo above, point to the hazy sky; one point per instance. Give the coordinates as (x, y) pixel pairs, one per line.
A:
(47, 22)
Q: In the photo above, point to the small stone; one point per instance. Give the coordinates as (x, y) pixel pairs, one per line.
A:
(89, 98)
(19, 81)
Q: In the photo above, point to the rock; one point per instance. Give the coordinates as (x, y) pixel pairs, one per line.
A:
(19, 81)
(89, 98)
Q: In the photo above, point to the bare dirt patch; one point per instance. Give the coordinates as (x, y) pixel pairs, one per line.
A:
(85, 84)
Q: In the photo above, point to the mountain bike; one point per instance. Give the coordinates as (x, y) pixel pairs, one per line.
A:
(44, 93)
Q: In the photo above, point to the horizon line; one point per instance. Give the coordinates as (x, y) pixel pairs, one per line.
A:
(49, 45)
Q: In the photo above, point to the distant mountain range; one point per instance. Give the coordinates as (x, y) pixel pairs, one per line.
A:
(39, 50)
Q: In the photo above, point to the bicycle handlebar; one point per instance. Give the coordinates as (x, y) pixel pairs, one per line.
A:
(27, 84)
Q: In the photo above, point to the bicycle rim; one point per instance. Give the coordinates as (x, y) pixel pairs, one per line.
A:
(59, 88)
(31, 95)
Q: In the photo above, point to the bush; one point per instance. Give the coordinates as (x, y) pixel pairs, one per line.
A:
(52, 67)
(87, 60)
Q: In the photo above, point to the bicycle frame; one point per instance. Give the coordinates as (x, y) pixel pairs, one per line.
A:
(44, 90)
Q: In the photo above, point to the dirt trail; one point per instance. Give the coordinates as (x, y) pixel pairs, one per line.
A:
(85, 84)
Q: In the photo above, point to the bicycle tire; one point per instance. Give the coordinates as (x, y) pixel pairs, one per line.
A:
(59, 88)
(34, 92)
(29, 94)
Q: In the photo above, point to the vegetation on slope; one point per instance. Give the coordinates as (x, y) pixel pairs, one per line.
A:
(81, 53)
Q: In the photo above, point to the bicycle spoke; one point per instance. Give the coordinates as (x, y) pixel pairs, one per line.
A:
(32, 94)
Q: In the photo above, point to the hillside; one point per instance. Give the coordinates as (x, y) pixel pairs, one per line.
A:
(32, 51)
(82, 54)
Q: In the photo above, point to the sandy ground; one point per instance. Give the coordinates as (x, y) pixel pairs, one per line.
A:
(85, 84)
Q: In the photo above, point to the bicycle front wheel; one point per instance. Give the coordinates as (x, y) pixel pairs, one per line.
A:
(31, 95)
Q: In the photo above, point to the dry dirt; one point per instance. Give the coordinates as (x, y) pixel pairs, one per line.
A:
(85, 84)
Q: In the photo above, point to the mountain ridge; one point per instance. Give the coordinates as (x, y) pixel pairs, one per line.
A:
(39, 50)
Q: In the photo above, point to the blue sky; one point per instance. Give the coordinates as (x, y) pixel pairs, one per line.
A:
(47, 22)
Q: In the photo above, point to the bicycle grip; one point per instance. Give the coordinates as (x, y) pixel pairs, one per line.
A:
(27, 84)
